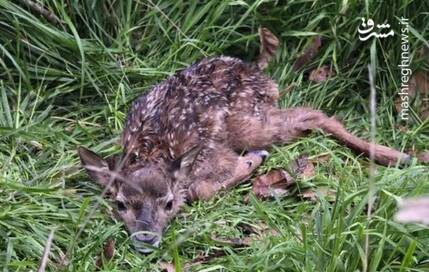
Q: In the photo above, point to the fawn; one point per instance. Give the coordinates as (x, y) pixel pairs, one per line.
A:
(183, 139)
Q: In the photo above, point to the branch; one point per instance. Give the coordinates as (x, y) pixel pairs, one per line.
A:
(44, 12)
(46, 252)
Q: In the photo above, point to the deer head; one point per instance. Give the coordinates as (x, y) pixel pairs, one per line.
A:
(146, 197)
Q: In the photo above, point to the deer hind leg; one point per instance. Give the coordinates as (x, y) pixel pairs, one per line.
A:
(299, 120)
(247, 132)
(222, 171)
(285, 125)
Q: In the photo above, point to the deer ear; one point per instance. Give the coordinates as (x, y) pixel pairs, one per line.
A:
(183, 165)
(96, 167)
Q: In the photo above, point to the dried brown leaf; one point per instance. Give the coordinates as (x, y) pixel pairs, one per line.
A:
(107, 254)
(309, 194)
(422, 83)
(274, 183)
(412, 88)
(321, 74)
(258, 230)
(254, 232)
(314, 194)
(203, 258)
(234, 242)
(401, 128)
(418, 84)
(423, 52)
(398, 104)
(423, 156)
(424, 114)
(309, 53)
(321, 158)
(167, 267)
(302, 167)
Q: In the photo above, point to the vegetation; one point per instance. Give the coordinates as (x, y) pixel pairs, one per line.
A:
(69, 71)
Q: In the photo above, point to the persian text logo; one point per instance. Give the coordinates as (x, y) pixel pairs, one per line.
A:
(368, 30)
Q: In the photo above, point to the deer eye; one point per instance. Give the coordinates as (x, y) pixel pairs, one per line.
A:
(120, 205)
(169, 205)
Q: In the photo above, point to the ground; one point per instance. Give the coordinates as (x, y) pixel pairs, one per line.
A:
(68, 75)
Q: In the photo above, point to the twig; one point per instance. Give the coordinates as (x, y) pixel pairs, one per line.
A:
(46, 252)
(40, 9)
(373, 111)
(309, 53)
(217, 253)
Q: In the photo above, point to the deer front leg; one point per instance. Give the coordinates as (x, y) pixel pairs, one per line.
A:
(225, 170)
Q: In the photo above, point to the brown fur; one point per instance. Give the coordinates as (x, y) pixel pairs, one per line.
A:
(183, 138)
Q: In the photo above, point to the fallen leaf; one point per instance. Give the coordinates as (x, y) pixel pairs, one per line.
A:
(423, 156)
(36, 145)
(412, 88)
(422, 86)
(315, 194)
(398, 104)
(321, 74)
(246, 228)
(259, 231)
(107, 254)
(254, 233)
(423, 52)
(401, 128)
(167, 267)
(302, 167)
(234, 242)
(418, 84)
(309, 53)
(309, 194)
(322, 158)
(422, 83)
(424, 113)
(274, 183)
(204, 257)
(413, 210)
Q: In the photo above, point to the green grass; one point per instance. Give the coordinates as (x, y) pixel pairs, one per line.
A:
(67, 85)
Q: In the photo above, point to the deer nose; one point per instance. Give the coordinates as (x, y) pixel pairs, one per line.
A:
(147, 238)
